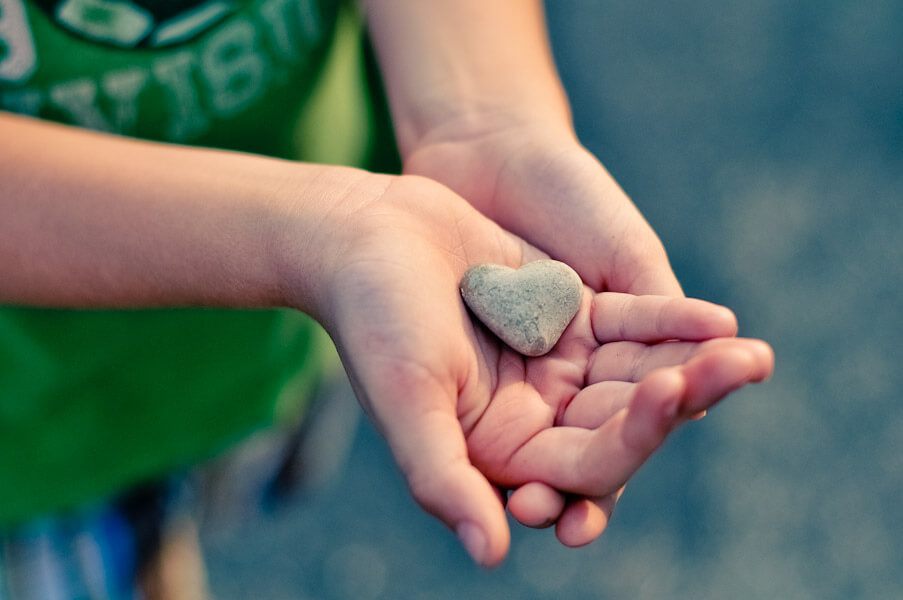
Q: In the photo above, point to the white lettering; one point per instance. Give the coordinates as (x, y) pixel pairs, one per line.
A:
(123, 87)
(17, 52)
(276, 16)
(288, 28)
(174, 72)
(234, 69)
(311, 21)
(79, 99)
(225, 75)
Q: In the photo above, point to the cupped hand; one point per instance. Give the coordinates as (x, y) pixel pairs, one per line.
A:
(464, 415)
(536, 180)
(626, 373)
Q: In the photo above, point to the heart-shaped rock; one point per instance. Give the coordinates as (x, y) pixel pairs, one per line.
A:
(528, 308)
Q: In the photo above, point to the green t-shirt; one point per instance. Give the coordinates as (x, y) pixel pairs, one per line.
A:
(91, 402)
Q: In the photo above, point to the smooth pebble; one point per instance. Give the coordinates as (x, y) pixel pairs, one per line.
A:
(527, 308)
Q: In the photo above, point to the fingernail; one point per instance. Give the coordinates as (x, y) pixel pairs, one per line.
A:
(474, 541)
(671, 409)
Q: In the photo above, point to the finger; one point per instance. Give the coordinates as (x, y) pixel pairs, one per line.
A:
(711, 376)
(663, 400)
(597, 403)
(631, 361)
(429, 446)
(536, 504)
(641, 265)
(448, 486)
(625, 317)
(628, 439)
(577, 522)
(584, 520)
(763, 354)
(598, 462)
(656, 279)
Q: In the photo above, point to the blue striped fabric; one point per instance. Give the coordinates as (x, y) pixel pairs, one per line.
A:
(84, 556)
(90, 554)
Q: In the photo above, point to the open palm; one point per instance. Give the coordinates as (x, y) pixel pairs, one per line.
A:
(465, 416)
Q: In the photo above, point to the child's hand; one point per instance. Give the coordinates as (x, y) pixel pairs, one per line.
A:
(538, 182)
(611, 391)
(464, 415)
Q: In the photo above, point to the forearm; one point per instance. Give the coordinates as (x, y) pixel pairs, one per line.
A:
(92, 220)
(453, 67)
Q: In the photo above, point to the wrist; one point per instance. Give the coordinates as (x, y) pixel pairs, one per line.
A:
(479, 157)
(311, 234)
(90, 220)
(453, 64)
(472, 122)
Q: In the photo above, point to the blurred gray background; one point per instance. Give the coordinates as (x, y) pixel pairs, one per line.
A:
(764, 142)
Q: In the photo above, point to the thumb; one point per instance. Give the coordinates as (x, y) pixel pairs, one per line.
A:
(454, 491)
(417, 417)
(641, 266)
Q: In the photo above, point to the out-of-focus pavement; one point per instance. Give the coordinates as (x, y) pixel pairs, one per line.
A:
(764, 142)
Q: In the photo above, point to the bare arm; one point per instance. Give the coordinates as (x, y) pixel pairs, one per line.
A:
(94, 220)
(479, 107)
(457, 67)
(98, 221)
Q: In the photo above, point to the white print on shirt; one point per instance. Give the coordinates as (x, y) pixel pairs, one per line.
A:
(17, 53)
(218, 79)
(121, 23)
(188, 23)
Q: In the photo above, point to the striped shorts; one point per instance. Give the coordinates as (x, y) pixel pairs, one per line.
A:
(93, 553)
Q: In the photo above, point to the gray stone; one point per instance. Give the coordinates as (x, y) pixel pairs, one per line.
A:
(528, 308)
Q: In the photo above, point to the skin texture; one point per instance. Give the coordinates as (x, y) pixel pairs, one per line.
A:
(493, 173)
(495, 127)
(377, 260)
(466, 416)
